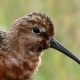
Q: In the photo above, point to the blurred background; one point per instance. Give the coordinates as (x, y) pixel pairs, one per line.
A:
(66, 17)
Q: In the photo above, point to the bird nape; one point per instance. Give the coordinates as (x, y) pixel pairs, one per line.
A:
(21, 46)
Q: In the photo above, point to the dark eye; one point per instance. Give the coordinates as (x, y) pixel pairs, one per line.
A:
(36, 30)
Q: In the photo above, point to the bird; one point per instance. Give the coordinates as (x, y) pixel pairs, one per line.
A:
(22, 45)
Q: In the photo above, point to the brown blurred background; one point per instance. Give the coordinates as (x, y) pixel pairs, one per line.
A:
(66, 17)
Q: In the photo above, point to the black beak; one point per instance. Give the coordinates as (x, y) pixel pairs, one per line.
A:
(54, 44)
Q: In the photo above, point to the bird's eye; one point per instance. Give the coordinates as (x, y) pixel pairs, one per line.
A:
(36, 30)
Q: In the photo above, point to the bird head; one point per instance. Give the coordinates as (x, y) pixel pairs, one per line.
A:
(36, 33)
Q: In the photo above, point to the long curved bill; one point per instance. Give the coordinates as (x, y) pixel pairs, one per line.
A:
(54, 44)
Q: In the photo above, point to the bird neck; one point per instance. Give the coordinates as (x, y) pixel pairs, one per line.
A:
(25, 55)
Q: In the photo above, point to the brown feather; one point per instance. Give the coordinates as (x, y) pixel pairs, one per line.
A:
(20, 48)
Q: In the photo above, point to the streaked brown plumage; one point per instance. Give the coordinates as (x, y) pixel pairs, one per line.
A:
(21, 46)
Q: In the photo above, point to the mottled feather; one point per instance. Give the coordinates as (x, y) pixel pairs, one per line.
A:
(21, 48)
